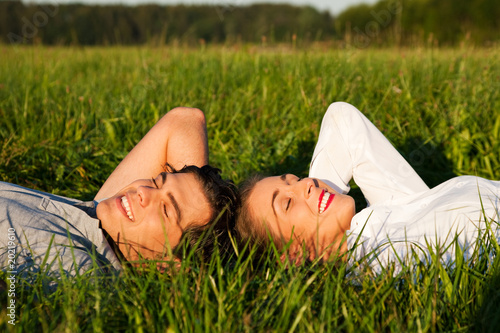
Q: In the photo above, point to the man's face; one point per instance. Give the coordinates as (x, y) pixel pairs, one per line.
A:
(150, 215)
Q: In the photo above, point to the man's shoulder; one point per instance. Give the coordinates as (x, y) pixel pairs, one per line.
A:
(21, 193)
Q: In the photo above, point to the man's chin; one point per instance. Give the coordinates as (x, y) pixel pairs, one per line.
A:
(101, 209)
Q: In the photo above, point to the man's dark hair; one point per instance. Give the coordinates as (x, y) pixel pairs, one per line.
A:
(223, 198)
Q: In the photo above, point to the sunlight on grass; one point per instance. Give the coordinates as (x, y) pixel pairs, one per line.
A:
(69, 115)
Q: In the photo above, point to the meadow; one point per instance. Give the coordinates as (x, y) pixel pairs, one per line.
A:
(69, 115)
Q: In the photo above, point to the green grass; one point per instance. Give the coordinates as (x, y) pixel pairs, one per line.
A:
(69, 115)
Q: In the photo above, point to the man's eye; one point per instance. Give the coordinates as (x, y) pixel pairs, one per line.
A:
(165, 210)
(288, 204)
(154, 182)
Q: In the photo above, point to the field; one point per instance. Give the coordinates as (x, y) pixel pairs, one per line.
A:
(69, 115)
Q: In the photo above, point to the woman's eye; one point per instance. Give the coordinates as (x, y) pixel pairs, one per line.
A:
(154, 182)
(165, 210)
(288, 204)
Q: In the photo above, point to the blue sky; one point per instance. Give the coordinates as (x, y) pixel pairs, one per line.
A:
(334, 6)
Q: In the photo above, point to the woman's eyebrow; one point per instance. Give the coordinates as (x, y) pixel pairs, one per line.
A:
(275, 194)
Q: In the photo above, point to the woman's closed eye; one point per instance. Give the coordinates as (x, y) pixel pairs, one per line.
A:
(288, 204)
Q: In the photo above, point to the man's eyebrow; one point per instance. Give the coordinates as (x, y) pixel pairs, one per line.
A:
(283, 177)
(176, 207)
(275, 194)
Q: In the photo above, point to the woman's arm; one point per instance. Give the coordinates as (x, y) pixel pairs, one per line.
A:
(350, 146)
(178, 138)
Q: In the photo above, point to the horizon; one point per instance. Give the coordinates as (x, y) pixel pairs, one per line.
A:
(333, 7)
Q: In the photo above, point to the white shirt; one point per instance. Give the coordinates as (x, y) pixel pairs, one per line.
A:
(403, 215)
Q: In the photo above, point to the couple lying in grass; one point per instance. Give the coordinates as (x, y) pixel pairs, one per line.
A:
(310, 218)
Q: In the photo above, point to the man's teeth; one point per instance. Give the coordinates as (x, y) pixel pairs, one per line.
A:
(127, 208)
(322, 205)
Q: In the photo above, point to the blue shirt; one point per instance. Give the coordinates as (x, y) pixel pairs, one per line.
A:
(42, 232)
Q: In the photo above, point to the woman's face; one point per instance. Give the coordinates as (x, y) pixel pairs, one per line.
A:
(307, 210)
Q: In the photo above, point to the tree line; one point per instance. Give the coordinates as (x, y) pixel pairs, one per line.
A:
(388, 22)
(420, 22)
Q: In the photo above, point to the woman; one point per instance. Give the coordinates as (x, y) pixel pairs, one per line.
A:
(403, 215)
(141, 209)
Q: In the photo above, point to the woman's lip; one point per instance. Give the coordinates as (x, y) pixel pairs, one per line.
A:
(328, 202)
(330, 199)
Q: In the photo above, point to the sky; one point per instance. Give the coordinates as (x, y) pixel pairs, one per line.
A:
(333, 6)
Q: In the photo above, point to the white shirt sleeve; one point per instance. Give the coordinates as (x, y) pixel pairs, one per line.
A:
(350, 146)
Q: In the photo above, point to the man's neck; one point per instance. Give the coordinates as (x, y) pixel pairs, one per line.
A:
(116, 249)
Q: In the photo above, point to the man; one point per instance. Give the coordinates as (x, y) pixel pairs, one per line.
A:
(156, 206)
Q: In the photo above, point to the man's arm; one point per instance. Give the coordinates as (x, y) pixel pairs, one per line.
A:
(178, 138)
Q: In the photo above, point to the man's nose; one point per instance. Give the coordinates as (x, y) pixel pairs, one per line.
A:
(145, 194)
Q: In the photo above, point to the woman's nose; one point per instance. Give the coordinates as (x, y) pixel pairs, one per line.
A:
(309, 184)
(303, 187)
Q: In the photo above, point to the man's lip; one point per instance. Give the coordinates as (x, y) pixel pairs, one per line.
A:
(121, 208)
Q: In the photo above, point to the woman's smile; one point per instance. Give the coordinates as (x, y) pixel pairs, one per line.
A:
(325, 199)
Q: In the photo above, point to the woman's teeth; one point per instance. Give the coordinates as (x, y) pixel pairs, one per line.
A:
(126, 206)
(324, 201)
